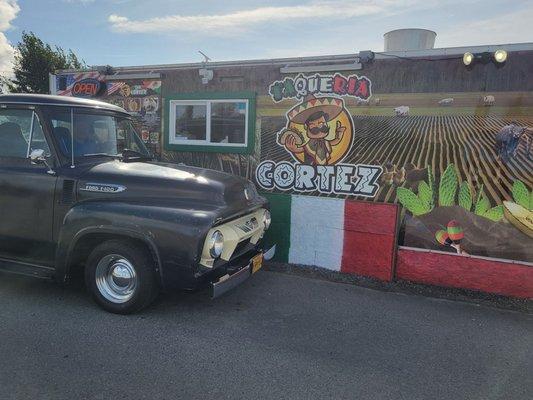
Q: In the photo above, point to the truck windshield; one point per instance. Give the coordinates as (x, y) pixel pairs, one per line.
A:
(95, 134)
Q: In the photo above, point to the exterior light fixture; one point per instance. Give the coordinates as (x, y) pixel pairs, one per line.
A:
(500, 56)
(484, 58)
(468, 58)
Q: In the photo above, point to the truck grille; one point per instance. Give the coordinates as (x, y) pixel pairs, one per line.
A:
(241, 247)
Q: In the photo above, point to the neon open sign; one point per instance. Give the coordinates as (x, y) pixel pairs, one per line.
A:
(87, 88)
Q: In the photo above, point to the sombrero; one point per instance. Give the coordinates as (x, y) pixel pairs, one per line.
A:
(311, 104)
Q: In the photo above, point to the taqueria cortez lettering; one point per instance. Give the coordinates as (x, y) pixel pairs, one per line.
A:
(338, 84)
(347, 179)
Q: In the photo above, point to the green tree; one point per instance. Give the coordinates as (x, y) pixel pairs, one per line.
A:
(34, 60)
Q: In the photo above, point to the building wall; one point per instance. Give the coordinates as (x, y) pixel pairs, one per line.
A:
(420, 153)
(438, 161)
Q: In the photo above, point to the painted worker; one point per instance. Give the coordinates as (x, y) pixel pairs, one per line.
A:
(507, 140)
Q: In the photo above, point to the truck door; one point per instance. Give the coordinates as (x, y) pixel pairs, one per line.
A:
(26, 190)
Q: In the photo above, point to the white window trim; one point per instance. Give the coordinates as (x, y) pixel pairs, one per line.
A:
(207, 141)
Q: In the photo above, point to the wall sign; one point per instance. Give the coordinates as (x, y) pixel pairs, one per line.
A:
(338, 84)
(88, 87)
(319, 133)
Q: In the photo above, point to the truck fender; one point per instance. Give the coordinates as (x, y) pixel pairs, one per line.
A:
(65, 249)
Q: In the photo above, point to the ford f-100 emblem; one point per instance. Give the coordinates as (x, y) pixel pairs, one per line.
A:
(103, 188)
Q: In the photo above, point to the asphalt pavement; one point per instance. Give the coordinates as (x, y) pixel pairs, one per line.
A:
(278, 336)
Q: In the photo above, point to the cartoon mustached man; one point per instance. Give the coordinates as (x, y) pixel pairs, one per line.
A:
(315, 115)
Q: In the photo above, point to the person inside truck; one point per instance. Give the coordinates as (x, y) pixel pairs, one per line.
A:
(85, 138)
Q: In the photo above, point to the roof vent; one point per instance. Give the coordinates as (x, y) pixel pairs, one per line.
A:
(409, 39)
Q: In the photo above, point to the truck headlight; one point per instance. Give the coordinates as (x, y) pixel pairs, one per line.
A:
(267, 219)
(216, 244)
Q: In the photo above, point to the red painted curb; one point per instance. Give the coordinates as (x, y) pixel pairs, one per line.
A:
(467, 272)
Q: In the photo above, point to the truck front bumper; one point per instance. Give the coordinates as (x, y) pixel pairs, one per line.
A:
(239, 274)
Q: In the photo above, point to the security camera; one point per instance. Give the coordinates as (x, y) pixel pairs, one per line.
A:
(206, 75)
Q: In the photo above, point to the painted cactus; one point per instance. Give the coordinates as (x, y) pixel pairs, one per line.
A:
(423, 202)
(465, 196)
(482, 203)
(521, 194)
(412, 202)
(448, 187)
(425, 193)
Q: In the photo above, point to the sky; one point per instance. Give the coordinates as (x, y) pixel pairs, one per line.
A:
(133, 32)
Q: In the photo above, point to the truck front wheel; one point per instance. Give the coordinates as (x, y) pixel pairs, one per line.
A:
(121, 277)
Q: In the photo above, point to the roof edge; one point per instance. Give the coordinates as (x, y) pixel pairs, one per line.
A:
(445, 51)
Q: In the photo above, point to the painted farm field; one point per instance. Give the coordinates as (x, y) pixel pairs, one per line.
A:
(468, 142)
(414, 143)
(383, 104)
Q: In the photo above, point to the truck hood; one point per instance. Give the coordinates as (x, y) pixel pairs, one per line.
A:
(168, 184)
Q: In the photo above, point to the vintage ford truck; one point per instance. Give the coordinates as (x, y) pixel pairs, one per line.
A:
(79, 189)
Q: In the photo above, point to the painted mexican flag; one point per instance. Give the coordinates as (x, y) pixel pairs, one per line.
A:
(336, 234)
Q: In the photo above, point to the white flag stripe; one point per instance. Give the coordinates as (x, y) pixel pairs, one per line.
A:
(317, 231)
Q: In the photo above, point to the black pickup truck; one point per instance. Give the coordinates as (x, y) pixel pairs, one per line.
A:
(78, 189)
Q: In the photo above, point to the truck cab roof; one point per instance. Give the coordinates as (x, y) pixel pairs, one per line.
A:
(50, 100)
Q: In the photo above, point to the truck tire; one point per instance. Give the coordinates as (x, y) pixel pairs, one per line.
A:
(121, 277)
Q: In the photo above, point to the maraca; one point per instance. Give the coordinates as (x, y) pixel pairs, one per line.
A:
(456, 234)
(455, 231)
(443, 238)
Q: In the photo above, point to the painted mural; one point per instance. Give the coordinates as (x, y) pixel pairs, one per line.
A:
(140, 97)
(318, 134)
(460, 164)
(456, 155)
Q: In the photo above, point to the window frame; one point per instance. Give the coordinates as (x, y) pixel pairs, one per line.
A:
(207, 98)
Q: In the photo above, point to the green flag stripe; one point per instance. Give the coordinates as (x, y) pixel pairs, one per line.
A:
(279, 233)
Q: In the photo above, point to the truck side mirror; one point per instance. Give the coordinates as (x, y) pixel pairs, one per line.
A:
(38, 157)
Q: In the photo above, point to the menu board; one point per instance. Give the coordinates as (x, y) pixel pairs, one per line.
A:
(142, 99)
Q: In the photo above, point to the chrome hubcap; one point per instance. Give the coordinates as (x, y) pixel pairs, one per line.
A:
(116, 278)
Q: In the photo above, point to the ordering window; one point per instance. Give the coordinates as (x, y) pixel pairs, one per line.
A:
(220, 123)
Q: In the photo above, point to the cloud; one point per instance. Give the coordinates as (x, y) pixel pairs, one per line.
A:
(240, 20)
(8, 12)
(79, 1)
(512, 27)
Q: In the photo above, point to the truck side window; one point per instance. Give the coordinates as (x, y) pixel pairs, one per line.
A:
(15, 132)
